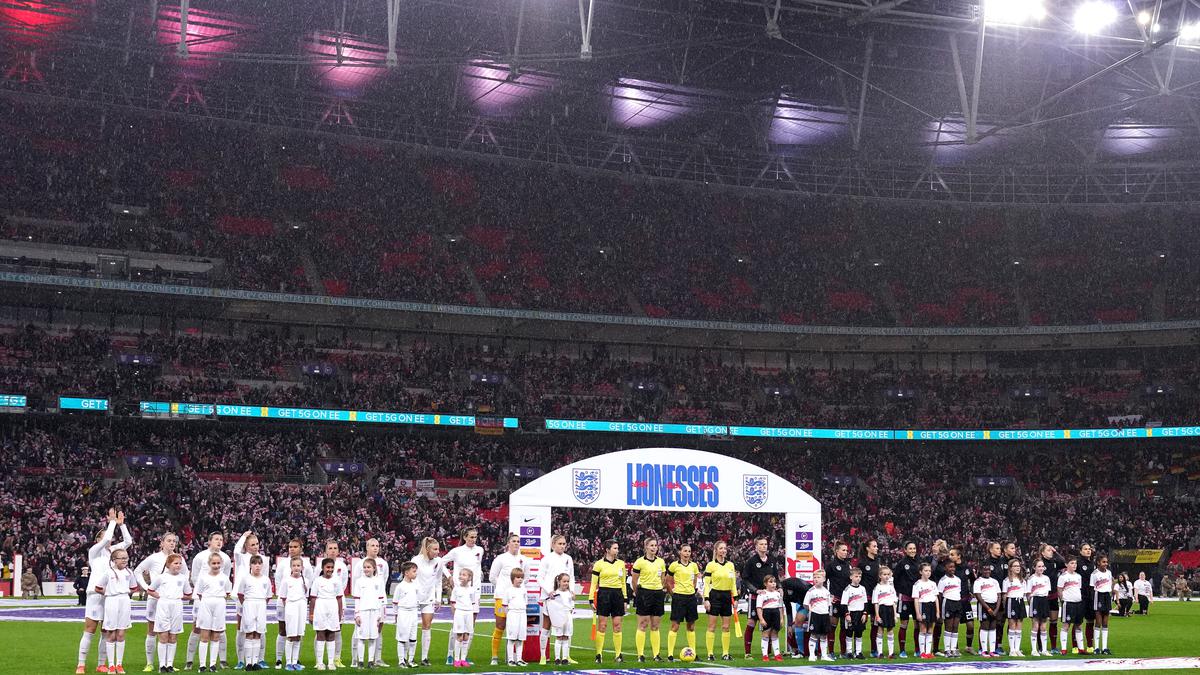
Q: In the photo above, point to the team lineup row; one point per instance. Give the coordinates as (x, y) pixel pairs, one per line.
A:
(845, 595)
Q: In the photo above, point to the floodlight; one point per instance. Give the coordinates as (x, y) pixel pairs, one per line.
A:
(1013, 12)
(1093, 17)
(1190, 31)
(1143, 18)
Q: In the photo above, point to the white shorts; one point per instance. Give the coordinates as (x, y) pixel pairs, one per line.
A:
(168, 617)
(209, 614)
(514, 626)
(464, 622)
(325, 615)
(369, 629)
(151, 608)
(428, 607)
(254, 616)
(295, 617)
(116, 612)
(95, 606)
(565, 629)
(407, 622)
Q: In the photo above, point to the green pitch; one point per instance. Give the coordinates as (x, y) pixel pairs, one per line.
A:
(47, 647)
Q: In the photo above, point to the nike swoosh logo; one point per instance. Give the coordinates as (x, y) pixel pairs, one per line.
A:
(530, 520)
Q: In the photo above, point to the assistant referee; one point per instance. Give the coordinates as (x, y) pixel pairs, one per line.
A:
(608, 597)
(720, 594)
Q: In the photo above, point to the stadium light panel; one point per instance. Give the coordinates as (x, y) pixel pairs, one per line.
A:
(1190, 31)
(1093, 17)
(1013, 12)
(1143, 18)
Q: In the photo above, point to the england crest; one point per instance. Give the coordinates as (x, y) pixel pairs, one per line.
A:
(585, 485)
(754, 490)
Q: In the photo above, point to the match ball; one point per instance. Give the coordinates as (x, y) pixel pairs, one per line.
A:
(687, 654)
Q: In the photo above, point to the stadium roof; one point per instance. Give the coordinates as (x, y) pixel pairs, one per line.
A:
(861, 81)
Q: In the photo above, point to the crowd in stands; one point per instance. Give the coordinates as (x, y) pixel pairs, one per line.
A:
(313, 214)
(266, 368)
(1119, 497)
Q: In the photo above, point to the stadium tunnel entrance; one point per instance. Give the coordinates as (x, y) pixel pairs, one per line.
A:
(668, 479)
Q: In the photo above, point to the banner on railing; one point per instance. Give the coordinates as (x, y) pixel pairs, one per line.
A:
(74, 403)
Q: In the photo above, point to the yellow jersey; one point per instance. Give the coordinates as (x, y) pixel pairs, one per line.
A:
(684, 576)
(607, 574)
(650, 573)
(720, 577)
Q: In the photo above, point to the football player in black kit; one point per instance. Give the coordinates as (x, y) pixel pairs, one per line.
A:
(1086, 566)
(908, 572)
(757, 567)
(837, 571)
(868, 562)
(966, 574)
(1054, 566)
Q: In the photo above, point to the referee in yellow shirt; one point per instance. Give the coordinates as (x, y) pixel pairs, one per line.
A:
(649, 598)
(608, 597)
(720, 598)
(682, 575)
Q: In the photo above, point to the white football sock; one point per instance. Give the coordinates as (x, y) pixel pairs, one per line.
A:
(162, 655)
(426, 640)
(110, 650)
(149, 646)
(85, 646)
(239, 646)
(120, 652)
(193, 642)
(204, 654)
(224, 647)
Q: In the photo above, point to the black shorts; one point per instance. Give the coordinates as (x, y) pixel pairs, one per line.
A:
(720, 603)
(929, 611)
(908, 609)
(837, 610)
(771, 619)
(610, 602)
(1039, 607)
(1073, 613)
(683, 608)
(818, 624)
(994, 615)
(887, 617)
(649, 602)
(951, 609)
(1143, 603)
(1103, 604)
(1015, 609)
(968, 611)
(856, 623)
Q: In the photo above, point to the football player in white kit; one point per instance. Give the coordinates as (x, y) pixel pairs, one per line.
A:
(247, 546)
(430, 572)
(551, 565)
(98, 563)
(169, 588)
(501, 577)
(342, 573)
(465, 556)
(145, 573)
(383, 572)
(211, 591)
(216, 541)
(283, 570)
(253, 590)
(114, 584)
